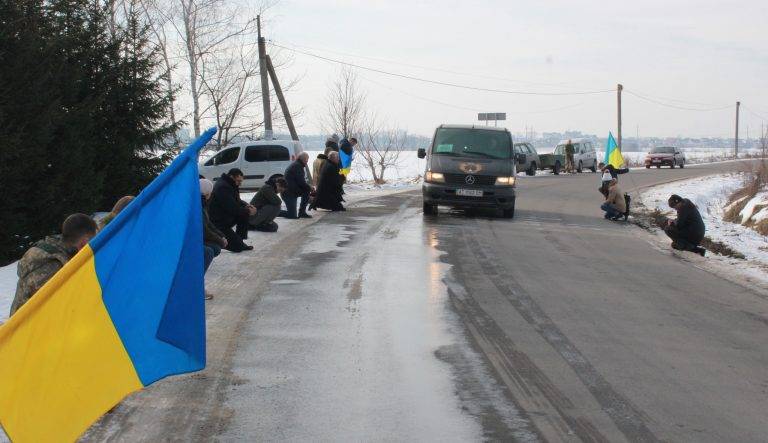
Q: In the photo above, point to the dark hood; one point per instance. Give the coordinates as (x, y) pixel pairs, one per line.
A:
(470, 165)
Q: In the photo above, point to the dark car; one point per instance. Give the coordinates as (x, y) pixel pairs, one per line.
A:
(470, 167)
(665, 156)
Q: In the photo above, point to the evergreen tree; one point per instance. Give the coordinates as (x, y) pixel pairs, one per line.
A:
(81, 114)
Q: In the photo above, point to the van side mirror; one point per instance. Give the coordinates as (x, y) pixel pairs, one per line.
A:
(421, 152)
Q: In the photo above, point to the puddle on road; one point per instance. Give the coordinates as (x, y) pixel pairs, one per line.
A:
(397, 368)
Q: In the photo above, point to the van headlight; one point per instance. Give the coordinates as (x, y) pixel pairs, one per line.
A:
(505, 181)
(434, 177)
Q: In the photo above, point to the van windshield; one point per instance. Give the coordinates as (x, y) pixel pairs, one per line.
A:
(462, 142)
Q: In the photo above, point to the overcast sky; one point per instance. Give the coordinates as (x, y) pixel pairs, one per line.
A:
(704, 54)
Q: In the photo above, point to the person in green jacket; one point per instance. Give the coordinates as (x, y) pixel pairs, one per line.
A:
(48, 256)
(268, 204)
(569, 151)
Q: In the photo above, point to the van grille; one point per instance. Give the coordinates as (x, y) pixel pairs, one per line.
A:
(461, 179)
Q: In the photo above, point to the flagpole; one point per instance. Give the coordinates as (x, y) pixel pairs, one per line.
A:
(619, 88)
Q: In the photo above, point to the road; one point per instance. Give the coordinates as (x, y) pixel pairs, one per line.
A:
(380, 324)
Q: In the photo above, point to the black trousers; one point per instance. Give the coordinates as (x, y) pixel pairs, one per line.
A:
(679, 241)
(235, 238)
(290, 204)
(265, 214)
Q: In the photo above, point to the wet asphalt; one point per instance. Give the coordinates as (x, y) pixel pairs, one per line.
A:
(379, 324)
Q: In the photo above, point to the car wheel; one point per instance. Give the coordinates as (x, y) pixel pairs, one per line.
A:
(594, 166)
(556, 168)
(647, 166)
(430, 209)
(580, 168)
(531, 170)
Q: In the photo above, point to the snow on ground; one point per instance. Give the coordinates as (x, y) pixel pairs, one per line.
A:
(7, 289)
(710, 194)
(748, 213)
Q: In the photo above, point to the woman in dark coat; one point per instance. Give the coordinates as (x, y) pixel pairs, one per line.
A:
(329, 186)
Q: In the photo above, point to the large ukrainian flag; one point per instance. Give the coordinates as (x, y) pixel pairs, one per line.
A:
(126, 311)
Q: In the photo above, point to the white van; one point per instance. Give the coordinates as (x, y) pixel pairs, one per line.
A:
(258, 159)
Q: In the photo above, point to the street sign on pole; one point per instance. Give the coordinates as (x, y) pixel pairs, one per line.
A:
(491, 116)
(486, 116)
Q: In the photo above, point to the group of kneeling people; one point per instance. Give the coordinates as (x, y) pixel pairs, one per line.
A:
(686, 231)
(222, 209)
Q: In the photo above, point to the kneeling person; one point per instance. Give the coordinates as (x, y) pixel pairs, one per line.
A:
(268, 203)
(46, 257)
(687, 231)
(615, 206)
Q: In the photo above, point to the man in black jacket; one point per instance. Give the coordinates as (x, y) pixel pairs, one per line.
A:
(687, 231)
(268, 203)
(226, 209)
(297, 186)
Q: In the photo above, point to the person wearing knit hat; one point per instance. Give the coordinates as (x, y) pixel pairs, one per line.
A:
(206, 186)
(213, 239)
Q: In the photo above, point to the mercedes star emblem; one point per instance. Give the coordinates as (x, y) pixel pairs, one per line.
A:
(470, 179)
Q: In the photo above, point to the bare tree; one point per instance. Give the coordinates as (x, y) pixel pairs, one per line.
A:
(232, 87)
(345, 105)
(206, 28)
(380, 148)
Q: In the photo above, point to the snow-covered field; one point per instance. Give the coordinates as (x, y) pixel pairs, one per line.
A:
(710, 194)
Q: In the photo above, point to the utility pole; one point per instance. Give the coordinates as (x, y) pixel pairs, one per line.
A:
(618, 101)
(736, 139)
(281, 99)
(264, 82)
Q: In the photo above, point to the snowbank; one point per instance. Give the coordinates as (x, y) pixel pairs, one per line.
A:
(748, 213)
(710, 194)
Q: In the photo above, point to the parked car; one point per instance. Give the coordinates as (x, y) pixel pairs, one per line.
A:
(257, 159)
(469, 167)
(526, 158)
(584, 155)
(665, 156)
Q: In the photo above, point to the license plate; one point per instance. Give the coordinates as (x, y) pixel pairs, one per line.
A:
(656, 161)
(469, 192)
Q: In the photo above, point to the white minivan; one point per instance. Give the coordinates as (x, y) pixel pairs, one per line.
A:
(258, 159)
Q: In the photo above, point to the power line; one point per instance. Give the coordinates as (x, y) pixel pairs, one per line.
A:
(429, 68)
(464, 107)
(675, 106)
(420, 97)
(753, 112)
(436, 82)
(677, 100)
